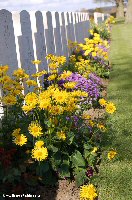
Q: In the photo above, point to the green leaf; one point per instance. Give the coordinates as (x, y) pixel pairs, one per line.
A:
(92, 160)
(64, 170)
(53, 148)
(70, 137)
(42, 168)
(77, 159)
(49, 178)
(56, 160)
(80, 177)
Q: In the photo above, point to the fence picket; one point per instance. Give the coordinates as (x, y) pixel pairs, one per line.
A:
(26, 43)
(57, 35)
(63, 35)
(7, 41)
(50, 46)
(40, 41)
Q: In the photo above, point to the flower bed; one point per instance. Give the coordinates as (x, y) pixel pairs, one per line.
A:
(47, 134)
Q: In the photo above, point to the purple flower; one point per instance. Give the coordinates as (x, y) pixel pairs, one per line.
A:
(92, 85)
(89, 172)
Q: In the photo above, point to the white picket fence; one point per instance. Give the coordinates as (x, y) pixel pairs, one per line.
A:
(100, 17)
(28, 36)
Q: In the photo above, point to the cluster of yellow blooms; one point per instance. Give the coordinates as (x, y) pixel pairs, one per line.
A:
(112, 154)
(54, 100)
(74, 46)
(109, 106)
(91, 46)
(110, 20)
(39, 152)
(19, 139)
(84, 67)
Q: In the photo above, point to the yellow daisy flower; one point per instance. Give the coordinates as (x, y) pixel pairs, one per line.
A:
(35, 129)
(40, 154)
(88, 192)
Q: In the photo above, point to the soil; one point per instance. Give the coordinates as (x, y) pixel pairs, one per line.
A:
(64, 191)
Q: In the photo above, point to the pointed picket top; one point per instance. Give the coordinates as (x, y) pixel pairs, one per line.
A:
(63, 35)
(40, 40)
(72, 27)
(50, 47)
(26, 43)
(57, 35)
(8, 54)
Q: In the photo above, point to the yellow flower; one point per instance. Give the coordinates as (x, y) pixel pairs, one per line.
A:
(5, 79)
(31, 83)
(86, 116)
(39, 144)
(40, 154)
(79, 57)
(61, 135)
(31, 99)
(36, 62)
(53, 66)
(91, 31)
(52, 77)
(44, 103)
(19, 73)
(88, 192)
(20, 140)
(95, 149)
(60, 60)
(102, 102)
(9, 100)
(16, 92)
(35, 129)
(16, 132)
(70, 85)
(56, 110)
(60, 96)
(38, 74)
(65, 75)
(72, 59)
(94, 54)
(101, 127)
(112, 154)
(110, 108)
(3, 69)
(91, 123)
(7, 87)
(28, 108)
(96, 49)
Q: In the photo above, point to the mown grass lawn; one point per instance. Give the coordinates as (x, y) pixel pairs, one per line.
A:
(115, 179)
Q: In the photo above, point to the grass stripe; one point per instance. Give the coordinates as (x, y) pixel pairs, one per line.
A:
(115, 179)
